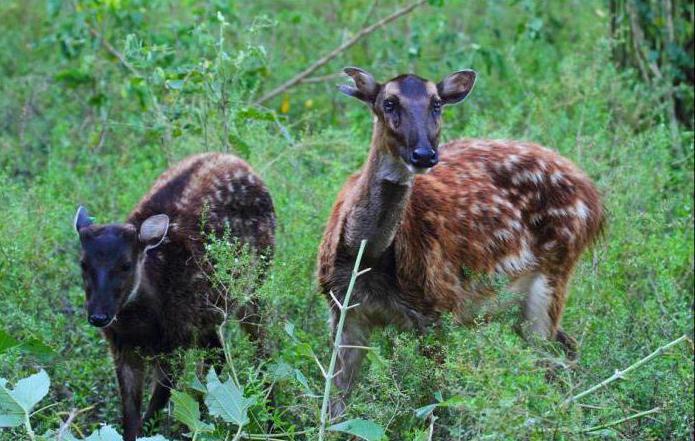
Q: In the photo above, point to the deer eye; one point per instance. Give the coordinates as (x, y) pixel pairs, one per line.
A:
(125, 267)
(389, 106)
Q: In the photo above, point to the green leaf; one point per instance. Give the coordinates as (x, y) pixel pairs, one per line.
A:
(174, 84)
(105, 433)
(299, 376)
(424, 411)
(241, 147)
(153, 438)
(7, 342)
(11, 413)
(29, 391)
(187, 411)
(196, 384)
(37, 348)
(364, 429)
(226, 400)
(255, 114)
(74, 77)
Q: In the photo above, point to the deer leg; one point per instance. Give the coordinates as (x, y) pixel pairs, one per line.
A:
(130, 370)
(356, 332)
(161, 392)
(543, 307)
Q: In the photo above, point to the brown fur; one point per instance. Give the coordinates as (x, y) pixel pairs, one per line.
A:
(490, 208)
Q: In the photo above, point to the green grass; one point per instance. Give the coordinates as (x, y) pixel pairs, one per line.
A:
(78, 127)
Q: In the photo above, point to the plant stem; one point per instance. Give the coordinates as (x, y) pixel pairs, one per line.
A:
(238, 434)
(619, 374)
(27, 426)
(622, 420)
(344, 306)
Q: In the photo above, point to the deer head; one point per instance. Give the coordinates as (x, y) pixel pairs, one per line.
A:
(408, 112)
(112, 261)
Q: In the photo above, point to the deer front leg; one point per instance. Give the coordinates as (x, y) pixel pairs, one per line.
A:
(161, 391)
(130, 370)
(356, 332)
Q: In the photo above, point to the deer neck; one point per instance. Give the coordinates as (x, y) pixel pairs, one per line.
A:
(380, 198)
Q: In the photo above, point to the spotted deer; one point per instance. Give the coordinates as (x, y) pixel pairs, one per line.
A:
(147, 281)
(507, 209)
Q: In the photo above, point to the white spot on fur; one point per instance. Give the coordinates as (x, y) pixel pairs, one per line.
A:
(582, 210)
(558, 212)
(515, 264)
(549, 245)
(502, 234)
(557, 177)
(511, 161)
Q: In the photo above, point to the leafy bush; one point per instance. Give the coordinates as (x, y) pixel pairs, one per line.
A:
(99, 97)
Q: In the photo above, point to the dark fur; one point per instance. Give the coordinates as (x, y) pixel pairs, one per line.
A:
(175, 306)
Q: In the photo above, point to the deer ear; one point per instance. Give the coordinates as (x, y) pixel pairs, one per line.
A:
(82, 219)
(366, 88)
(456, 86)
(154, 230)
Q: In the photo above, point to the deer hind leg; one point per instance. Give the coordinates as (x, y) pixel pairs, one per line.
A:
(544, 302)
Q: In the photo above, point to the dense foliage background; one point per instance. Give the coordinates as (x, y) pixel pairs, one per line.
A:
(97, 97)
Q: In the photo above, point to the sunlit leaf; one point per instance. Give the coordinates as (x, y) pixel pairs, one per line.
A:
(226, 400)
(187, 411)
(11, 413)
(105, 433)
(365, 429)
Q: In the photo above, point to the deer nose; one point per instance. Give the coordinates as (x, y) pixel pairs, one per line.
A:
(98, 320)
(424, 157)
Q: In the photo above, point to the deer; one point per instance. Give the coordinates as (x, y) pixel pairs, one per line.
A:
(439, 219)
(148, 284)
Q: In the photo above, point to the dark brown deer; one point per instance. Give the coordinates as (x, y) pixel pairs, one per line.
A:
(147, 281)
(502, 209)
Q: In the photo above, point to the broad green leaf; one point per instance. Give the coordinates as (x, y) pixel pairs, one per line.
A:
(424, 411)
(105, 433)
(196, 384)
(7, 341)
(368, 430)
(39, 349)
(11, 413)
(187, 411)
(29, 391)
(226, 400)
(281, 371)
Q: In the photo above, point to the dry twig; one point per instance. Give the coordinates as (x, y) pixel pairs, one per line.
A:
(620, 374)
(337, 51)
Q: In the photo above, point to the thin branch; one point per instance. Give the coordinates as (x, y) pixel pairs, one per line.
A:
(66, 425)
(113, 51)
(321, 78)
(620, 374)
(330, 374)
(337, 51)
(622, 420)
